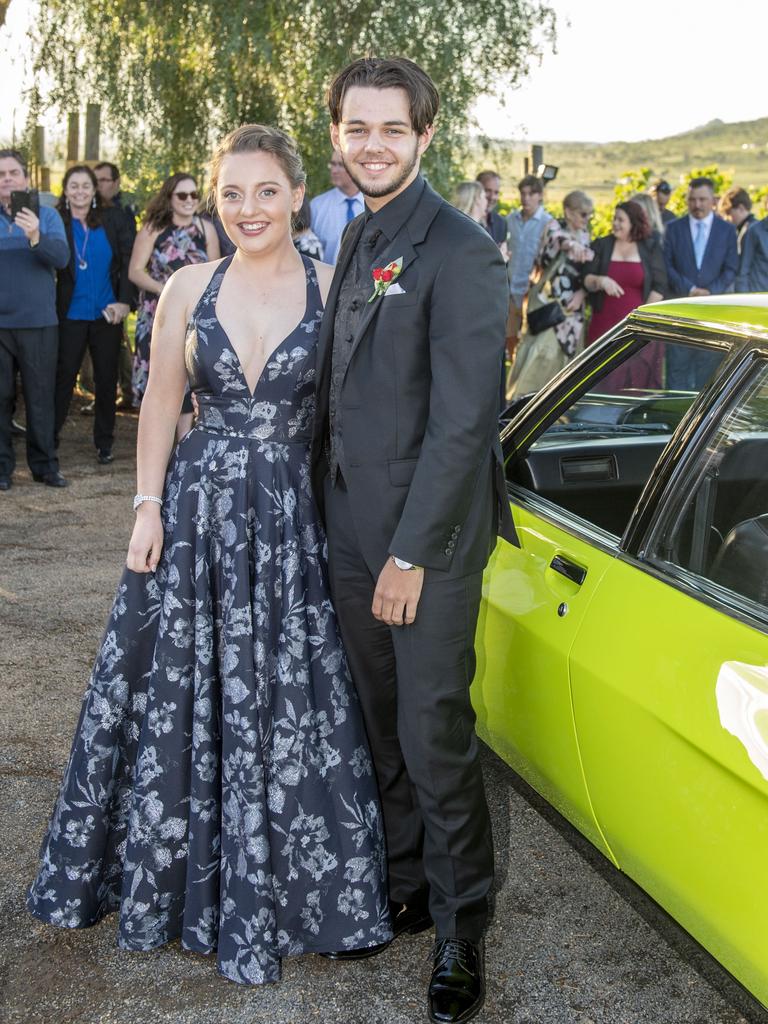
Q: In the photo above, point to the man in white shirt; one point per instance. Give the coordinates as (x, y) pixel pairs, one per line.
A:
(334, 209)
(526, 226)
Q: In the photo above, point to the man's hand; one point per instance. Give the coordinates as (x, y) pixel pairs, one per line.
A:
(699, 291)
(29, 224)
(397, 594)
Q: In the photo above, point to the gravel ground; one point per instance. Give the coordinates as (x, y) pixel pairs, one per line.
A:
(572, 940)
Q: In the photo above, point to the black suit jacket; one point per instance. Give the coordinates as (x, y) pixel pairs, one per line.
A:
(651, 256)
(420, 399)
(721, 259)
(120, 241)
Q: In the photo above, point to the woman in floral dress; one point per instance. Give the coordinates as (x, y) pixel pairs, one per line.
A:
(172, 236)
(220, 790)
(568, 240)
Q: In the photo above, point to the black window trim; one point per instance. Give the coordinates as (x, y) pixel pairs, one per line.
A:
(750, 363)
(674, 463)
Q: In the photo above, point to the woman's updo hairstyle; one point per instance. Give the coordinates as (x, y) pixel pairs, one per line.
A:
(253, 138)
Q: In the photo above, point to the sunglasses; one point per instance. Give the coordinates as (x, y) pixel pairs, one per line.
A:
(184, 196)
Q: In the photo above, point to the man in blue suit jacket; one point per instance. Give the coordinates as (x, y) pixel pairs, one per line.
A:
(702, 259)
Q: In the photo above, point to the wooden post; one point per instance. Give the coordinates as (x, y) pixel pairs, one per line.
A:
(42, 171)
(537, 157)
(526, 166)
(73, 138)
(92, 130)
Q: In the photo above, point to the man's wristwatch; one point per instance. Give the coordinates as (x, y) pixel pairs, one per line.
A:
(404, 566)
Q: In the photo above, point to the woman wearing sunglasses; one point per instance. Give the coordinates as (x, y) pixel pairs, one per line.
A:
(173, 235)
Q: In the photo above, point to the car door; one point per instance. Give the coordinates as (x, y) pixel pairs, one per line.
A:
(669, 677)
(585, 452)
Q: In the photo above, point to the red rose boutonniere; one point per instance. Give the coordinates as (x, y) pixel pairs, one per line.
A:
(384, 276)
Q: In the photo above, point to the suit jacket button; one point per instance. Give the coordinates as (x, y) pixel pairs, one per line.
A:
(349, 338)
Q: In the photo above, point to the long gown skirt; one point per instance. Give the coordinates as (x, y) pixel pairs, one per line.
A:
(220, 788)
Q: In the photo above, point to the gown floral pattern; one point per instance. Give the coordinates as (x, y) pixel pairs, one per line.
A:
(220, 789)
(175, 247)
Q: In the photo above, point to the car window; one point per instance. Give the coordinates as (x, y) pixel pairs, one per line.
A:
(717, 527)
(597, 455)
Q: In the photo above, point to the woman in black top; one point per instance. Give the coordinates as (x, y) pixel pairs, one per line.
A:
(93, 298)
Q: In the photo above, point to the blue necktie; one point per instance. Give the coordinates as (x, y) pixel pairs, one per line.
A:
(699, 244)
(350, 209)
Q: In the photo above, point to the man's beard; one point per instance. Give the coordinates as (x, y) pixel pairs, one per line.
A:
(375, 191)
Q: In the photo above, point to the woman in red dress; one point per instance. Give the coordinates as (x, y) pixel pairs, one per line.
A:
(626, 271)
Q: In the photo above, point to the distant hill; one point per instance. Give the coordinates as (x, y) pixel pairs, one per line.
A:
(740, 148)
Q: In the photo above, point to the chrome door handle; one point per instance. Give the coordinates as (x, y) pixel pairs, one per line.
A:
(573, 572)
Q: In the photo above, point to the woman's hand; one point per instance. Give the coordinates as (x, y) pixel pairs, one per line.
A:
(578, 253)
(576, 301)
(611, 287)
(118, 311)
(146, 540)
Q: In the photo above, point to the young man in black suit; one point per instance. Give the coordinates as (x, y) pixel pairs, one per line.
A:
(407, 460)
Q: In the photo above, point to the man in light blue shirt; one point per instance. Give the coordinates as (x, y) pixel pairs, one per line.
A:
(333, 210)
(526, 226)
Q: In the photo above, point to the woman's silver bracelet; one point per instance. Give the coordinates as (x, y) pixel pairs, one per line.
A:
(140, 498)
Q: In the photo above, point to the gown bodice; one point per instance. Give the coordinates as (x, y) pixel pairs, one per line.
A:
(281, 408)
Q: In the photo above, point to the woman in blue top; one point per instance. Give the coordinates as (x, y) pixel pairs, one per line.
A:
(93, 296)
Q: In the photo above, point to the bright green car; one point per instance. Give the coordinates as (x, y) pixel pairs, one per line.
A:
(623, 648)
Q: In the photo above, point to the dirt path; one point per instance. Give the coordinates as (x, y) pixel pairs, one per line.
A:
(570, 942)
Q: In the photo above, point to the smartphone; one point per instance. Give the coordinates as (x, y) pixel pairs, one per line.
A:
(29, 199)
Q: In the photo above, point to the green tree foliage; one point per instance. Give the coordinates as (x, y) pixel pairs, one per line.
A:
(173, 77)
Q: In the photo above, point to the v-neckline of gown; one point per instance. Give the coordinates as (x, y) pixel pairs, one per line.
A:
(276, 349)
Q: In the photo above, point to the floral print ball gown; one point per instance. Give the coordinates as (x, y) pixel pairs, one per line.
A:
(220, 788)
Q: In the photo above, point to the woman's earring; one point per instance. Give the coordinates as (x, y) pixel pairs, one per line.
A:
(66, 202)
(93, 202)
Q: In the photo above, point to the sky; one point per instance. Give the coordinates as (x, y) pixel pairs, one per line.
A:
(638, 71)
(618, 74)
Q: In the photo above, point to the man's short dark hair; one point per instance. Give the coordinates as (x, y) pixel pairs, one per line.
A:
(702, 183)
(388, 73)
(114, 170)
(483, 176)
(14, 154)
(735, 197)
(532, 182)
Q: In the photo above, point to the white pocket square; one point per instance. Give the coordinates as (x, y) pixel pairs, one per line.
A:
(394, 289)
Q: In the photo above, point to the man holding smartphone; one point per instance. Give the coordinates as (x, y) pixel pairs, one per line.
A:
(33, 246)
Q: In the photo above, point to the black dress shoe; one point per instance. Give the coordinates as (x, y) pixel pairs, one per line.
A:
(104, 456)
(87, 410)
(50, 479)
(5, 483)
(17, 430)
(457, 988)
(406, 917)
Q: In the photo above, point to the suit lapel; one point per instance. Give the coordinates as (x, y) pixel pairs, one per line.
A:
(401, 246)
(325, 338)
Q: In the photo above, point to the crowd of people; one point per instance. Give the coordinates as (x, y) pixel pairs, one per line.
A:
(718, 246)
(82, 267)
(276, 752)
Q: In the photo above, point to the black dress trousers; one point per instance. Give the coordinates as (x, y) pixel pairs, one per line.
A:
(34, 351)
(103, 342)
(413, 683)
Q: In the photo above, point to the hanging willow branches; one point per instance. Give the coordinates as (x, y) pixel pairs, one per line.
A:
(174, 75)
